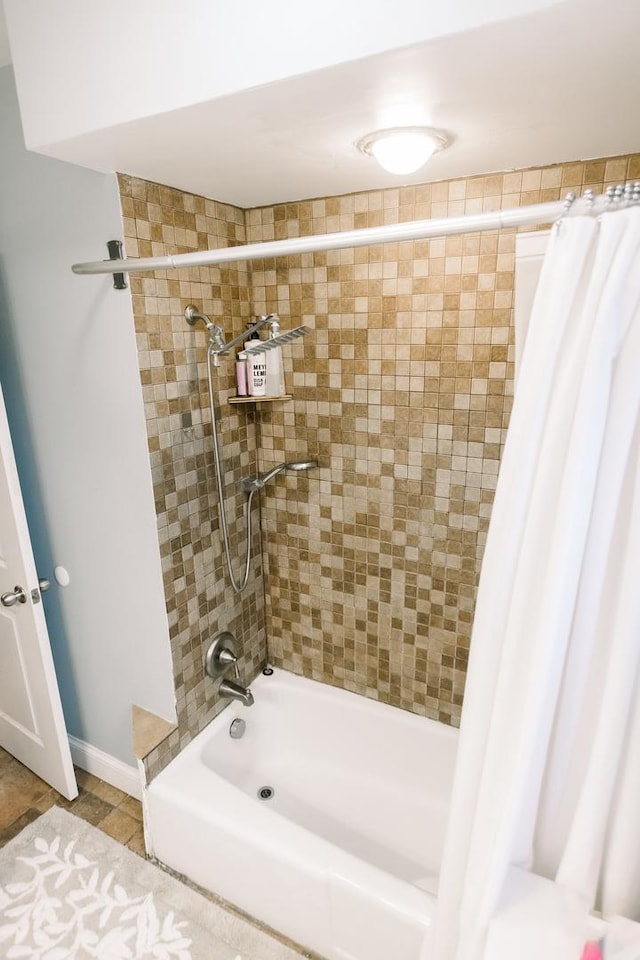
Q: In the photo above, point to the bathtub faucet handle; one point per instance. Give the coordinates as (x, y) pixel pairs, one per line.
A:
(226, 659)
(221, 655)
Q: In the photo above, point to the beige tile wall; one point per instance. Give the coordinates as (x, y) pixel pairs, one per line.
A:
(200, 602)
(403, 392)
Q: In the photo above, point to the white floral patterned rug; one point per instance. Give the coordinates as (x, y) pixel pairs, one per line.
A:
(69, 892)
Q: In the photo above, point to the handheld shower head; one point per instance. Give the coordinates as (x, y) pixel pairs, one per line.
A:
(257, 483)
(301, 465)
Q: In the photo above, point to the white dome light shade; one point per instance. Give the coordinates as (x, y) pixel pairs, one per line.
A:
(403, 149)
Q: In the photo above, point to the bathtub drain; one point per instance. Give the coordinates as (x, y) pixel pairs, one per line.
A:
(265, 793)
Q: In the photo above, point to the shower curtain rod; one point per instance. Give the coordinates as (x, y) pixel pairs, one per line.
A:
(411, 230)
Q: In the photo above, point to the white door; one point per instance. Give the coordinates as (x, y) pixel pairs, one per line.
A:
(32, 726)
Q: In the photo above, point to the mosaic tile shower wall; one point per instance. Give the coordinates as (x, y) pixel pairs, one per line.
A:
(403, 393)
(158, 221)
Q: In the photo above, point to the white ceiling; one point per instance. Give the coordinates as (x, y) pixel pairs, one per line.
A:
(554, 86)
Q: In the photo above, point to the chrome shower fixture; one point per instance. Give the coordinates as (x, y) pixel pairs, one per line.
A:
(241, 338)
(220, 347)
(192, 316)
(252, 484)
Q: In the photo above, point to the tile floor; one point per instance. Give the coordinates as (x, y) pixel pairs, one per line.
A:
(24, 796)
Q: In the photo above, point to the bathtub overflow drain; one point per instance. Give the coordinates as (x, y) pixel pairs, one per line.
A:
(265, 793)
(237, 728)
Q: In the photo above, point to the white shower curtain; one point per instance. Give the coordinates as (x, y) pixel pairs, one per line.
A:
(548, 775)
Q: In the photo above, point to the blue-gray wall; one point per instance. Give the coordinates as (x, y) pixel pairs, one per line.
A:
(68, 368)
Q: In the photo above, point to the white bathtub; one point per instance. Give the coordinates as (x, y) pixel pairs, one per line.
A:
(344, 858)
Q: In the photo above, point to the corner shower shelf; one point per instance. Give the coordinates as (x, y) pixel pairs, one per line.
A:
(285, 396)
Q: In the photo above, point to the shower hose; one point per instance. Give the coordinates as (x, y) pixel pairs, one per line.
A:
(238, 585)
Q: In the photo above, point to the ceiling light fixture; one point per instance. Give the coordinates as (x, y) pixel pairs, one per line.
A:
(403, 149)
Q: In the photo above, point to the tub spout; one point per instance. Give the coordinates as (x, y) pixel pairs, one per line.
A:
(235, 691)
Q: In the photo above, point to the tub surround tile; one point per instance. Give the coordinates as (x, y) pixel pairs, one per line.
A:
(403, 392)
(160, 221)
(369, 566)
(148, 731)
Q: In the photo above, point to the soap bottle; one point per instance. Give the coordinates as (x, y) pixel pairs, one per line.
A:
(256, 365)
(241, 374)
(252, 334)
(275, 366)
(256, 374)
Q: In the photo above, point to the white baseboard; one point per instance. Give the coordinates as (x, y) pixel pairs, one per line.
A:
(107, 768)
